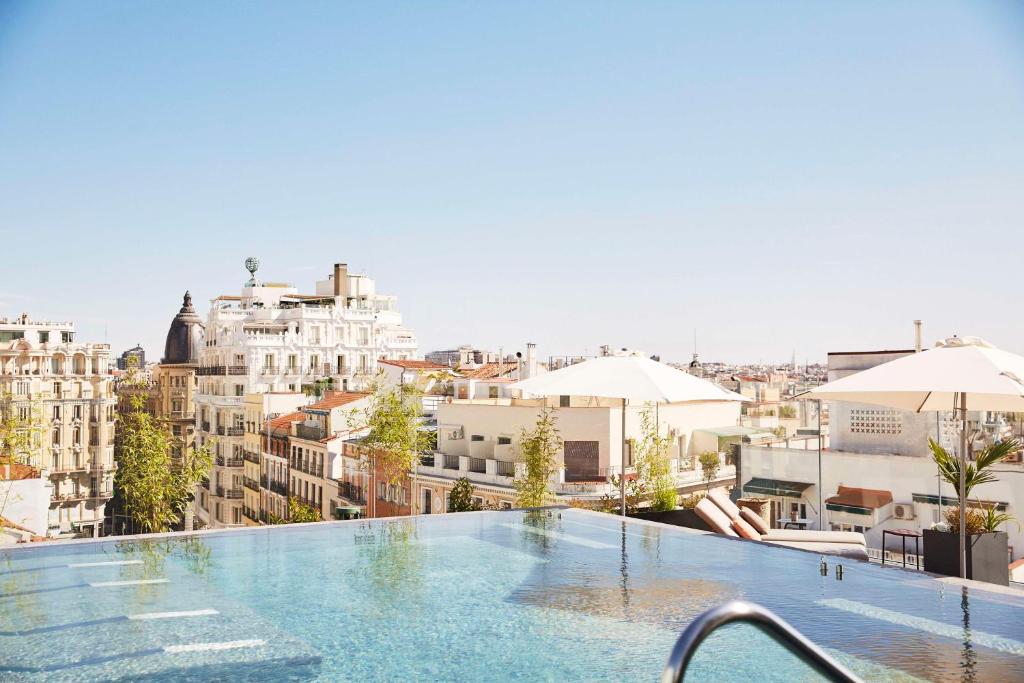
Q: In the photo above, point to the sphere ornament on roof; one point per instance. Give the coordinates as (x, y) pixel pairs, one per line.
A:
(252, 264)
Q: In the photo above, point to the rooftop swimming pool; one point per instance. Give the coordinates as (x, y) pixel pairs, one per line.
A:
(560, 595)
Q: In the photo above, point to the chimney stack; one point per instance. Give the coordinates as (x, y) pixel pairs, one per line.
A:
(341, 280)
(531, 359)
(917, 336)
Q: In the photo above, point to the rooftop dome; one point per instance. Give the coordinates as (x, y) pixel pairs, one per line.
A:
(183, 335)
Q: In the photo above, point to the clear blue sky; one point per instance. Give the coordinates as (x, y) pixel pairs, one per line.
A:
(779, 176)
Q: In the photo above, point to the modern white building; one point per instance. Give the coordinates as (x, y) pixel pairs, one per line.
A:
(876, 468)
(478, 438)
(271, 337)
(64, 388)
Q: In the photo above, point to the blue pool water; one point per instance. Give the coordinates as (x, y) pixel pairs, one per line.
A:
(574, 596)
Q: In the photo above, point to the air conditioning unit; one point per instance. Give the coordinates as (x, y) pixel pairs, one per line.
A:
(903, 511)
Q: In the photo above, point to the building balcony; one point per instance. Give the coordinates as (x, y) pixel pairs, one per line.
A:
(268, 370)
(352, 492)
(230, 493)
(238, 369)
(205, 426)
(251, 484)
(251, 456)
(250, 514)
(234, 431)
(223, 461)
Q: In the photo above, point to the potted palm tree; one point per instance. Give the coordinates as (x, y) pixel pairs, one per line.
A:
(987, 546)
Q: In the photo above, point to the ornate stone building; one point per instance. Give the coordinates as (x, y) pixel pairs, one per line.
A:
(65, 388)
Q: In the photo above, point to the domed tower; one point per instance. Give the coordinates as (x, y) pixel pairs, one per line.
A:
(184, 335)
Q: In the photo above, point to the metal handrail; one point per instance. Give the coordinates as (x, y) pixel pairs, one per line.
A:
(771, 625)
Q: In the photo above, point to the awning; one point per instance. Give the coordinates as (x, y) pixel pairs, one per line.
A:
(949, 501)
(857, 500)
(776, 487)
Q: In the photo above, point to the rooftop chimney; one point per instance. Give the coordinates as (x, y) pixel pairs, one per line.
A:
(341, 280)
(531, 360)
(917, 336)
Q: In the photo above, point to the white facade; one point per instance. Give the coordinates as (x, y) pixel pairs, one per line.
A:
(272, 338)
(478, 439)
(67, 386)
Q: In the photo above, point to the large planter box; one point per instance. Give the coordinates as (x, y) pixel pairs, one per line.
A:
(987, 555)
(687, 518)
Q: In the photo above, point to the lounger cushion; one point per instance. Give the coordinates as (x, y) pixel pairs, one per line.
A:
(853, 551)
(722, 501)
(815, 536)
(741, 527)
(713, 515)
(755, 520)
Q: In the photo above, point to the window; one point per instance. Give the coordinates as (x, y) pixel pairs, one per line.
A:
(56, 412)
(581, 460)
(66, 337)
(239, 390)
(77, 412)
(504, 440)
(505, 505)
(563, 401)
(476, 437)
(22, 389)
(236, 515)
(492, 392)
(268, 360)
(56, 389)
(44, 337)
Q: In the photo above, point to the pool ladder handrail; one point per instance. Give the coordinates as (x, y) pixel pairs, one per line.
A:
(771, 625)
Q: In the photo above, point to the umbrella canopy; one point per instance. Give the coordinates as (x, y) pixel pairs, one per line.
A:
(989, 378)
(632, 378)
(959, 374)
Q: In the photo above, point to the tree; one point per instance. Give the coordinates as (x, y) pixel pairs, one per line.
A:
(538, 448)
(394, 442)
(787, 411)
(299, 512)
(461, 497)
(977, 473)
(21, 433)
(155, 488)
(710, 462)
(652, 466)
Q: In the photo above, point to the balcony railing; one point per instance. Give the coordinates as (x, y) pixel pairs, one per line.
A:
(234, 431)
(250, 514)
(478, 465)
(503, 468)
(269, 370)
(351, 492)
(427, 459)
(229, 493)
(451, 462)
(229, 462)
(251, 484)
(238, 369)
(251, 456)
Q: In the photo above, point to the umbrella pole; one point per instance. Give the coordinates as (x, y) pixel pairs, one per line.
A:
(622, 474)
(963, 485)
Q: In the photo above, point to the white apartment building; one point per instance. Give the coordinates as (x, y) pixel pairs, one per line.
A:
(273, 338)
(478, 438)
(65, 386)
(876, 468)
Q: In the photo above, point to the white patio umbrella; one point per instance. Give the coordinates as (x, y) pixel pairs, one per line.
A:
(960, 374)
(628, 378)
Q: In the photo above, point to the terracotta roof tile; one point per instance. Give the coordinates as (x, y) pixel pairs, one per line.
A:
(18, 471)
(490, 370)
(861, 498)
(333, 399)
(286, 419)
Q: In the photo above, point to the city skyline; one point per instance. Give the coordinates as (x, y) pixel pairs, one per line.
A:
(810, 181)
